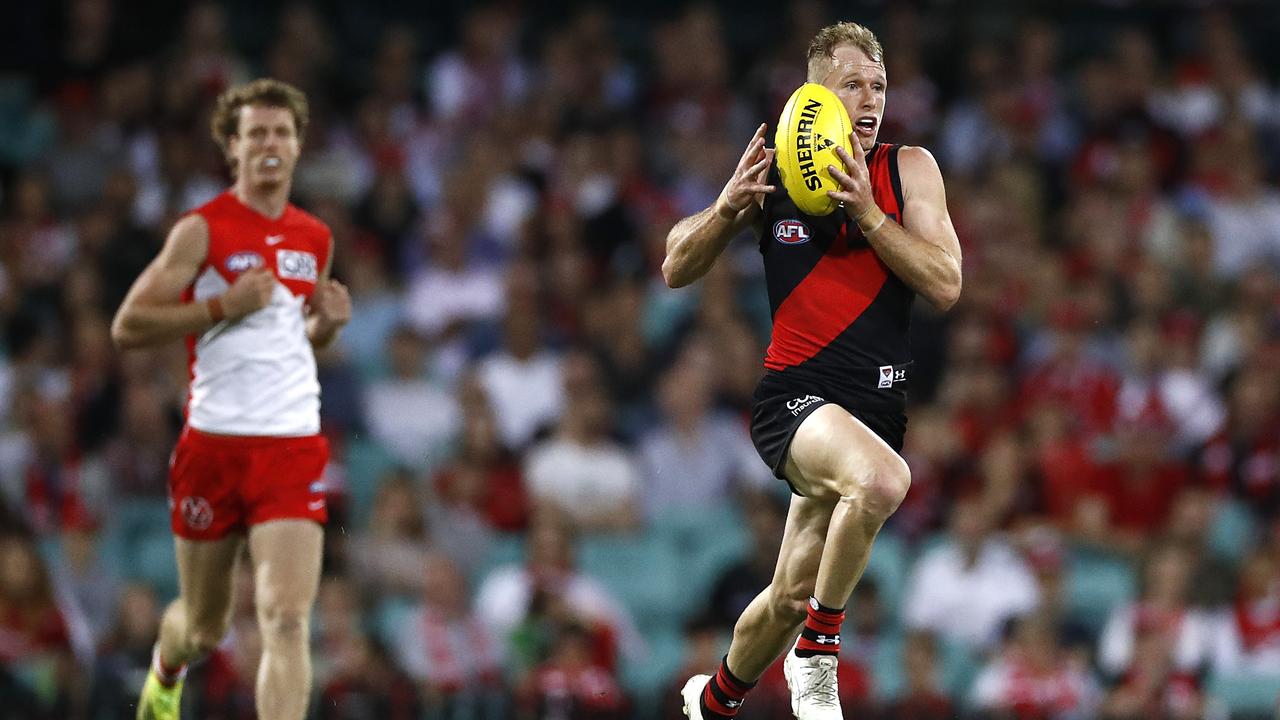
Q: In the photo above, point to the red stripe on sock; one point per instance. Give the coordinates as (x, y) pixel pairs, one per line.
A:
(824, 623)
(731, 687)
(714, 705)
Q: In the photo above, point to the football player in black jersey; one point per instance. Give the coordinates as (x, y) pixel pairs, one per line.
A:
(829, 414)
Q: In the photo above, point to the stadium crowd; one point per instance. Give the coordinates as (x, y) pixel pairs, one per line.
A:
(544, 502)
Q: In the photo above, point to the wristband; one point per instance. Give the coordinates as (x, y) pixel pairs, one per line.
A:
(877, 226)
(214, 306)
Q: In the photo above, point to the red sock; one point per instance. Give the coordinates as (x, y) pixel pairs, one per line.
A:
(167, 675)
(821, 633)
(724, 693)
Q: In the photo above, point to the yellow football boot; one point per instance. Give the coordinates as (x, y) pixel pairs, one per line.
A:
(157, 701)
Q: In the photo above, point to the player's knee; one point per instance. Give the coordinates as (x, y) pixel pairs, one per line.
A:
(283, 624)
(878, 488)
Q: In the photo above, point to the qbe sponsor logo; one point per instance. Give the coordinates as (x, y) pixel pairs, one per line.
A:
(297, 265)
(242, 261)
(800, 403)
(791, 232)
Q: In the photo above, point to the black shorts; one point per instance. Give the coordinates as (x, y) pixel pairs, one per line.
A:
(781, 404)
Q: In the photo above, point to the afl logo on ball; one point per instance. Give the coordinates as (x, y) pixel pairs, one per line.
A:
(196, 512)
(241, 261)
(791, 232)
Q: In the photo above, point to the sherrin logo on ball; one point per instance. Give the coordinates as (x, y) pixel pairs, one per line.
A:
(813, 124)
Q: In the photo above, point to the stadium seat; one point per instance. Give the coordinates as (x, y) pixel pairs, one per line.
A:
(366, 463)
(888, 567)
(1096, 583)
(391, 618)
(1247, 695)
(646, 679)
(1233, 530)
(646, 573)
(886, 667)
(708, 541)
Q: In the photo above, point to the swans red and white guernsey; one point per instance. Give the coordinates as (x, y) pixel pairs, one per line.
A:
(257, 376)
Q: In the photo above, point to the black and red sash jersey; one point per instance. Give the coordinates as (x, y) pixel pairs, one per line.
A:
(840, 316)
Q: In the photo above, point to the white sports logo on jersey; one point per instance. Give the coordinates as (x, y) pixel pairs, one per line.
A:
(241, 261)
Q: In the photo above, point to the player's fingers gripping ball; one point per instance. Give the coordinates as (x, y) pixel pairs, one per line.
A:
(813, 124)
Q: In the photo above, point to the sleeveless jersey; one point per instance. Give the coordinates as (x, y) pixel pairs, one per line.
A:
(256, 376)
(840, 316)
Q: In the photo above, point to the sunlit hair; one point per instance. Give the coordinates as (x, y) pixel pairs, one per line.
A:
(266, 92)
(823, 45)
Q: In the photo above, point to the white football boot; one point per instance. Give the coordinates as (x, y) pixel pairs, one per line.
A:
(692, 694)
(812, 682)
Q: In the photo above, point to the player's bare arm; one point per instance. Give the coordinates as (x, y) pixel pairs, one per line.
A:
(153, 312)
(696, 241)
(924, 253)
(329, 307)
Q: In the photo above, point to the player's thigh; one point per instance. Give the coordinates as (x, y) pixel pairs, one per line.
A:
(834, 454)
(286, 556)
(206, 571)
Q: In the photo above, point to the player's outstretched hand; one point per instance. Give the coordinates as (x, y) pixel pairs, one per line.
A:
(854, 179)
(748, 182)
(249, 293)
(331, 303)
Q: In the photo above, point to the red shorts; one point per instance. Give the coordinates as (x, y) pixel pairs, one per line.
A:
(220, 484)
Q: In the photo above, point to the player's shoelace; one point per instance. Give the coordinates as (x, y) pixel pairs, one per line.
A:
(820, 685)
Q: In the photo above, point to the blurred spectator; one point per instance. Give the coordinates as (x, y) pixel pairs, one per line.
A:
(1247, 633)
(1162, 613)
(966, 588)
(523, 379)
(518, 602)
(365, 683)
(1154, 686)
(409, 413)
(456, 289)
(464, 83)
(450, 653)
(125, 654)
(85, 585)
(696, 456)
(1240, 458)
(581, 471)
(572, 683)
(1033, 678)
(484, 478)
(923, 697)
(35, 646)
(375, 311)
(865, 634)
(389, 557)
(224, 683)
(739, 584)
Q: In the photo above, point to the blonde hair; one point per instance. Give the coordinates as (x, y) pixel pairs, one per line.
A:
(264, 91)
(830, 37)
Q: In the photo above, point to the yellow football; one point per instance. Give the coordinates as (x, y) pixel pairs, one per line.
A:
(813, 124)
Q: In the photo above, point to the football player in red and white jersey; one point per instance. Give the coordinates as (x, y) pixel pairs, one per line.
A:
(245, 280)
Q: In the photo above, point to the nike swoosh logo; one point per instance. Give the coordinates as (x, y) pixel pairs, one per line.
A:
(315, 504)
(275, 239)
